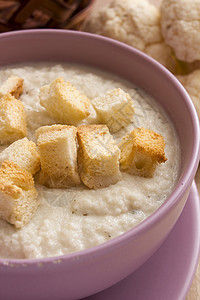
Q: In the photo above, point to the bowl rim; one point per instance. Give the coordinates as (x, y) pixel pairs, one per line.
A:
(181, 187)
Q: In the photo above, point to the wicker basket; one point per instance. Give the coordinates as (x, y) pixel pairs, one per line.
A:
(26, 14)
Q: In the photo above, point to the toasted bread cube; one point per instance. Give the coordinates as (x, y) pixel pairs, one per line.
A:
(91, 119)
(141, 151)
(64, 102)
(24, 153)
(18, 196)
(12, 119)
(13, 85)
(98, 156)
(57, 145)
(115, 109)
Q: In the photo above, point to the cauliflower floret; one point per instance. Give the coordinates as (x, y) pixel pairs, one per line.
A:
(164, 55)
(180, 21)
(191, 83)
(134, 22)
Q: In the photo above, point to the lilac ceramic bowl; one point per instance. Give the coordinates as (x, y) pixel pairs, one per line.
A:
(83, 273)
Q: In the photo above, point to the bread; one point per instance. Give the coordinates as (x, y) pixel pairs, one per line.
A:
(98, 156)
(18, 196)
(24, 153)
(57, 145)
(141, 151)
(13, 85)
(64, 103)
(115, 109)
(12, 119)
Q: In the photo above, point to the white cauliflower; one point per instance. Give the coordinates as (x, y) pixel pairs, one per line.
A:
(191, 82)
(180, 21)
(136, 23)
(164, 54)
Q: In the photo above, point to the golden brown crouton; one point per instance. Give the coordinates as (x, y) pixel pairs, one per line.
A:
(57, 145)
(98, 156)
(24, 153)
(64, 102)
(18, 196)
(141, 151)
(13, 85)
(115, 109)
(12, 119)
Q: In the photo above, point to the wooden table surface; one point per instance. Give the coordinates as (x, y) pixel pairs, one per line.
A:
(194, 292)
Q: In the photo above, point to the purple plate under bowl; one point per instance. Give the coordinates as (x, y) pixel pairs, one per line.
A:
(87, 272)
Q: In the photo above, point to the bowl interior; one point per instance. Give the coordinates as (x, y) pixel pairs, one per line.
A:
(117, 58)
(120, 59)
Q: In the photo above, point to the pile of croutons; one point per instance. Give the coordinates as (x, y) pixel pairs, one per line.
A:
(68, 153)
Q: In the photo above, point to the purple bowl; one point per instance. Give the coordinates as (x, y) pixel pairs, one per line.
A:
(86, 272)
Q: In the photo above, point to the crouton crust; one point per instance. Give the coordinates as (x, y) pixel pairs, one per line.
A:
(10, 171)
(114, 109)
(64, 102)
(12, 85)
(24, 153)
(12, 119)
(141, 151)
(98, 156)
(18, 196)
(150, 142)
(57, 145)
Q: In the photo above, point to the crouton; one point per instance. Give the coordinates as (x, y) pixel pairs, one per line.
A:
(57, 145)
(91, 119)
(115, 109)
(18, 196)
(12, 119)
(24, 153)
(64, 102)
(13, 85)
(141, 151)
(98, 156)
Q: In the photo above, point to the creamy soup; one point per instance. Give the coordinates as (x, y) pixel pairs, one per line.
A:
(69, 220)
